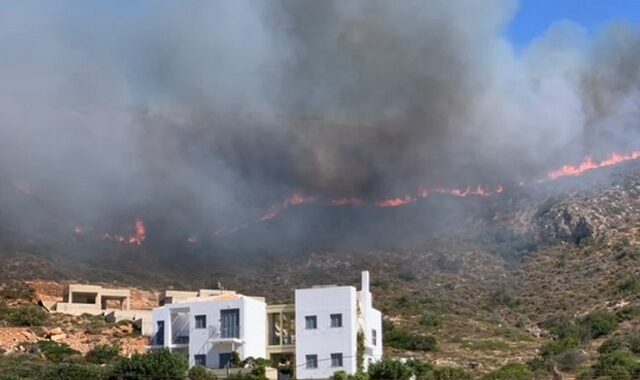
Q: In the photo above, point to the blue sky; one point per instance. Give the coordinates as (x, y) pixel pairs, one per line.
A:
(534, 16)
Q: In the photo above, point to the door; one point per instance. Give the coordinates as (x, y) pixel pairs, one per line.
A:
(224, 360)
(230, 323)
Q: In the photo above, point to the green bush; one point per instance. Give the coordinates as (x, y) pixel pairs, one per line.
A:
(629, 286)
(558, 346)
(600, 323)
(430, 320)
(421, 370)
(389, 369)
(511, 371)
(566, 328)
(628, 313)
(56, 352)
(74, 371)
(451, 373)
(23, 315)
(612, 344)
(619, 364)
(103, 354)
(200, 372)
(342, 375)
(402, 339)
(160, 364)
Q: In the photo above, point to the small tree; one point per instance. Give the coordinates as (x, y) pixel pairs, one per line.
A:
(103, 354)
(389, 369)
(200, 372)
(161, 364)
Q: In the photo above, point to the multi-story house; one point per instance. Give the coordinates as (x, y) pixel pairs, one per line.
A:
(319, 334)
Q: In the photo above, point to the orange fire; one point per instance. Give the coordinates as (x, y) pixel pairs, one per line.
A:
(138, 238)
(588, 164)
(395, 202)
(141, 233)
(347, 202)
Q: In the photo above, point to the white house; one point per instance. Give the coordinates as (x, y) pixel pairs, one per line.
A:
(328, 321)
(318, 334)
(209, 329)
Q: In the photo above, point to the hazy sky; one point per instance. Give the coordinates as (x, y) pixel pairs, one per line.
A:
(535, 16)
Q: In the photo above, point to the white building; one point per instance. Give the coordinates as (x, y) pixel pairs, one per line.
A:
(328, 321)
(210, 329)
(318, 334)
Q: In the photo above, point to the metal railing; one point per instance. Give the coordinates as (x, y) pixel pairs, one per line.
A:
(183, 339)
(228, 332)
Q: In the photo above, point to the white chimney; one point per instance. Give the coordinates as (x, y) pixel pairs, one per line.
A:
(365, 281)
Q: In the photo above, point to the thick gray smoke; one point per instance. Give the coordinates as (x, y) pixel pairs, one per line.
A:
(206, 112)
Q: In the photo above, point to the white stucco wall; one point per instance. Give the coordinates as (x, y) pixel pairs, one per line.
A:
(252, 328)
(325, 340)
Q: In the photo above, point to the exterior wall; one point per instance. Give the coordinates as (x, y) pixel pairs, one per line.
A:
(206, 341)
(142, 319)
(325, 340)
(78, 308)
(373, 352)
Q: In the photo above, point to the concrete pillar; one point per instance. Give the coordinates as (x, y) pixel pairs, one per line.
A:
(127, 303)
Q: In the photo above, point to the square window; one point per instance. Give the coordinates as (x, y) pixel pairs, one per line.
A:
(336, 360)
(201, 321)
(312, 361)
(200, 360)
(374, 337)
(336, 320)
(311, 322)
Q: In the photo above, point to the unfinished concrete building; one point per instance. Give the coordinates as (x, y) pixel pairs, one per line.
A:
(78, 299)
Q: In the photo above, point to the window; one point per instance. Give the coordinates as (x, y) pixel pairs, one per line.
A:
(200, 360)
(311, 322)
(201, 321)
(336, 320)
(336, 360)
(230, 323)
(312, 361)
(160, 333)
(374, 337)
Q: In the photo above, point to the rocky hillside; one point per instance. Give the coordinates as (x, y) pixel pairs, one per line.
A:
(491, 281)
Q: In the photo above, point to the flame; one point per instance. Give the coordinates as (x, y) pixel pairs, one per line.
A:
(342, 202)
(141, 233)
(423, 191)
(588, 164)
(395, 202)
(138, 238)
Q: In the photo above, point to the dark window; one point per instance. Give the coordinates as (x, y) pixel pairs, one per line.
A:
(336, 320)
(336, 360)
(201, 321)
(312, 361)
(160, 333)
(200, 360)
(230, 323)
(374, 337)
(224, 359)
(311, 322)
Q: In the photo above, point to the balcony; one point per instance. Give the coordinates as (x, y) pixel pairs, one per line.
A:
(229, 334)
(180, 340)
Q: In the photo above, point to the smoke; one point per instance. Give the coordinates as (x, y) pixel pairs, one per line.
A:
(203, 114)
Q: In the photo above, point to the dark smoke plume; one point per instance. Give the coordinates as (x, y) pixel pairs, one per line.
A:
(204, 113)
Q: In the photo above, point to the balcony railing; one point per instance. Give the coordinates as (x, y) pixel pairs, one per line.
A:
(229, 332)
(184, 339)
